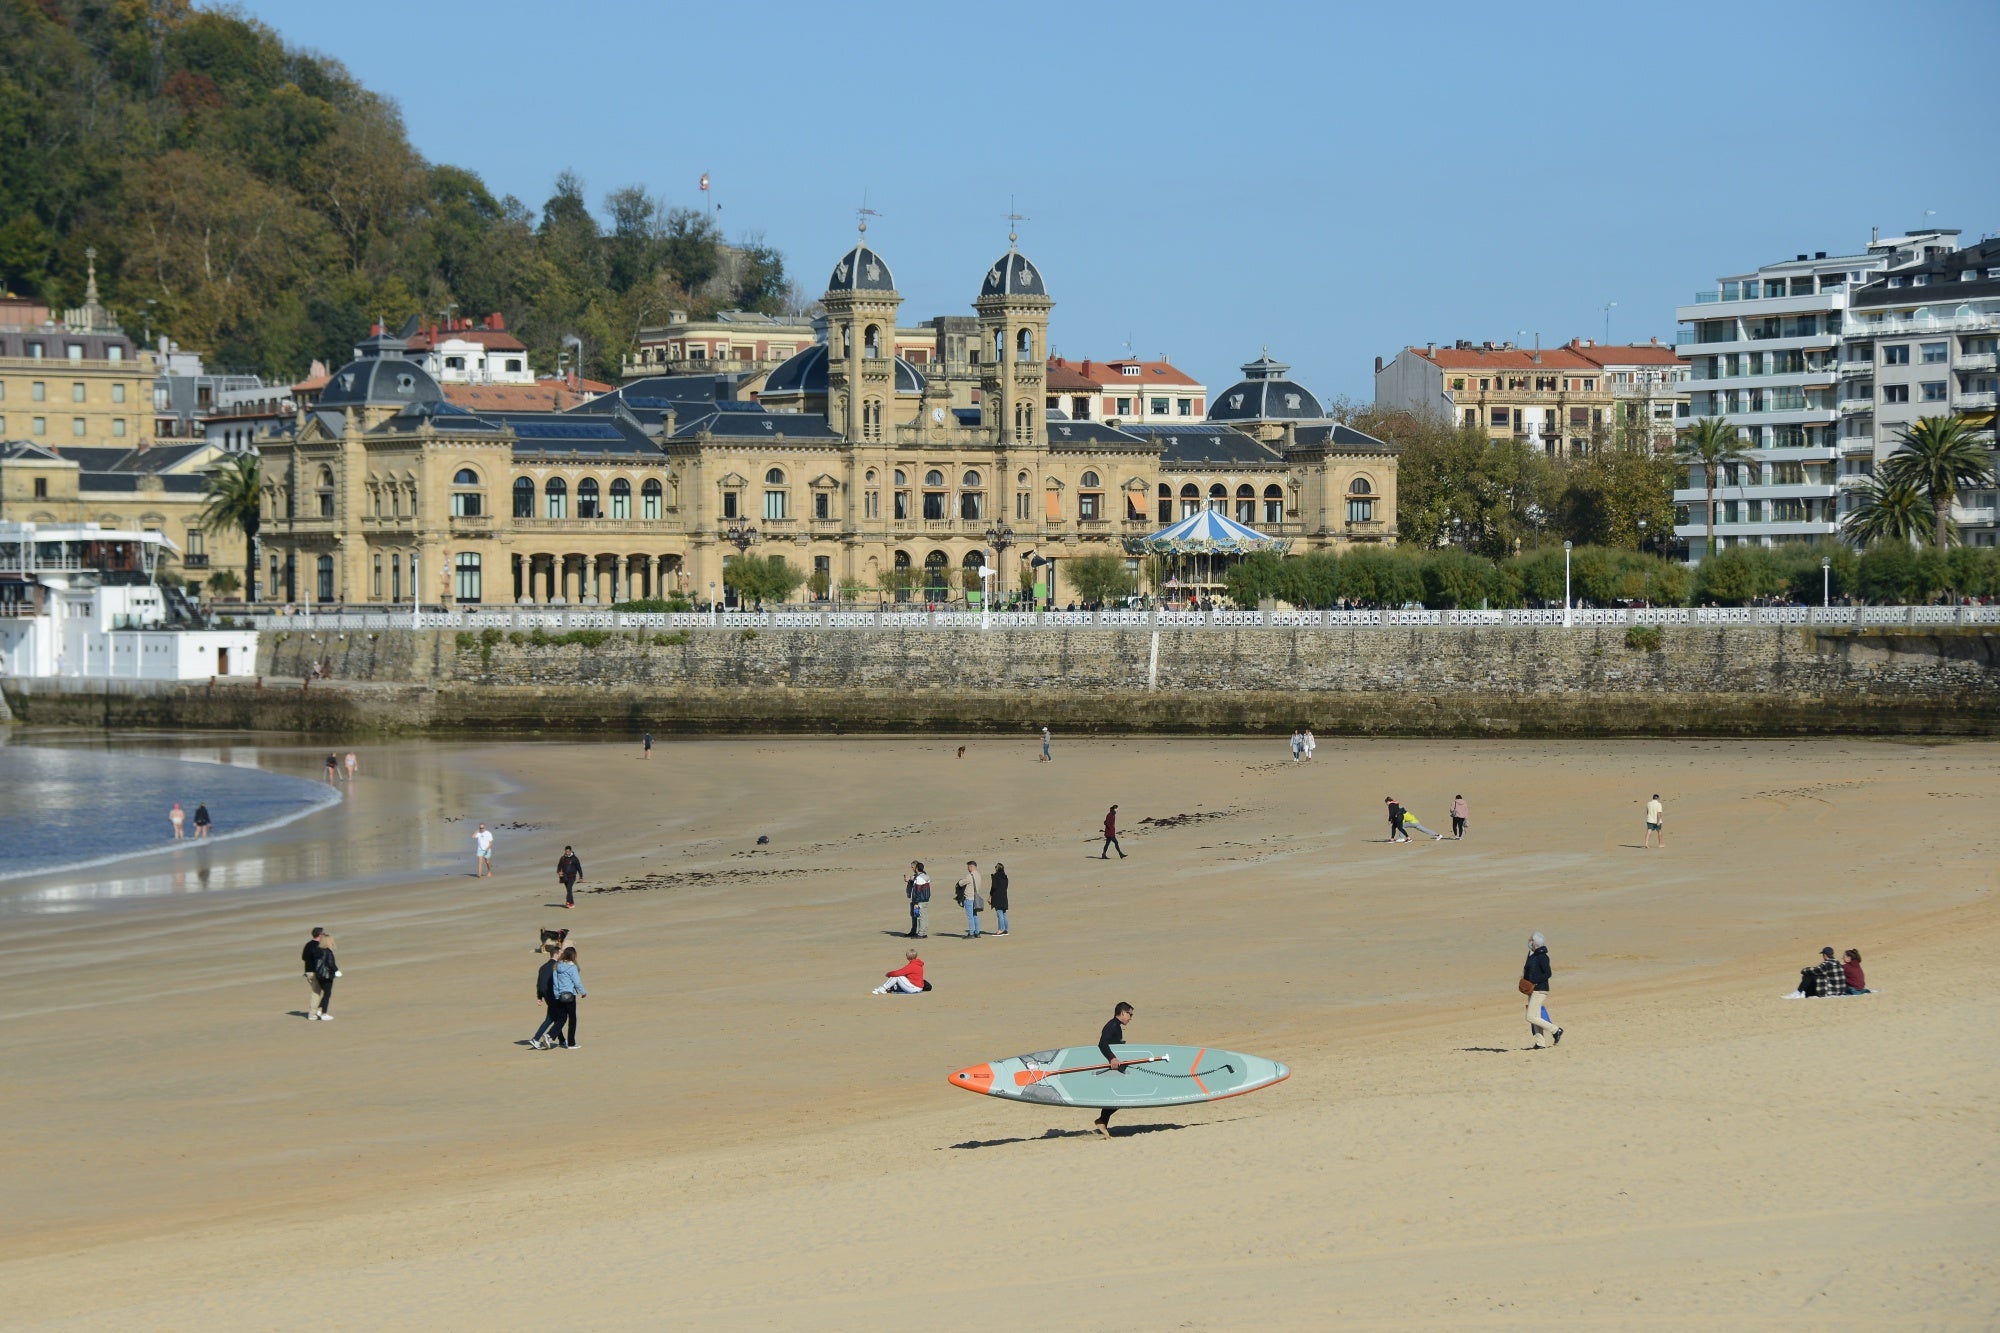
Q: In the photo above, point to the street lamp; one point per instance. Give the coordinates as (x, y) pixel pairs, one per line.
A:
(1567, 619)
(1825, 582)
(1036, 562)
(741, 536)
(999, 537)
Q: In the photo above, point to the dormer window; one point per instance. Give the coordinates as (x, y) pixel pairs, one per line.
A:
(406, 384)
(1128, 370)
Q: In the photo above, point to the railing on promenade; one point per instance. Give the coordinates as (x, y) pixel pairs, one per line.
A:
(562, 619)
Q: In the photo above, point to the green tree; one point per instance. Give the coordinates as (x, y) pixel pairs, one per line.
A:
(1454, 578)
(1895, 573)
(235, 502)
(1616, 497)
(1710, 444)
(1257, 577)
(1938, 457)
(761, 579)
(1888, 511)
(1099, 578)
(1737, 576)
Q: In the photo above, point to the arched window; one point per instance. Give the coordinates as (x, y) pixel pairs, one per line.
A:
(1274, 503)
(586, 499)
(999, 344)
(775, 477)
(1360, 486)
(970, 481)
(1246, 503)
(466, 503)
(1245, 491)
(936, 580)
(871, 341)
(524, 497)
(555, 498)
(902, 559)
(1090, 479)
(902, 478)
(1020, 478)
(649, 498)
(621, 498)
(846, 341)
(1024, 346)
(1166, 491)
(325, 489)
(933, 478)
(871, 474)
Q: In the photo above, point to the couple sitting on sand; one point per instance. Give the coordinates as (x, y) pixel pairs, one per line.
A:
(1831, 976)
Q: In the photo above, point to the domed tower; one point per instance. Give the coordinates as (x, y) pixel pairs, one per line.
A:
(861, 303)
(1265, 399)
(1013, 308)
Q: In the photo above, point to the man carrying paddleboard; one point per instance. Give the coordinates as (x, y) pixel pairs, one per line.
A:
(1113, 1035)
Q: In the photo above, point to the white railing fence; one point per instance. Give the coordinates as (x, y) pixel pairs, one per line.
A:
(559, 620)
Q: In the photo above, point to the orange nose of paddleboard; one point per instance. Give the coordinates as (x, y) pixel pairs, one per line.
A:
(979, 1078)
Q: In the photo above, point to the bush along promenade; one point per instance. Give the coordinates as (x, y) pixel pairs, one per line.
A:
(1887, 574)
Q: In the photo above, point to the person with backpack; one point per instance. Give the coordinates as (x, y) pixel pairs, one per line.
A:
(569, 869)
(321, 970)
(917, 888)
(969, 899)
(566, 984)
(545, 991)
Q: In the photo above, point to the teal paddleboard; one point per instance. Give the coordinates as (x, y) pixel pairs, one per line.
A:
(1142, 1075)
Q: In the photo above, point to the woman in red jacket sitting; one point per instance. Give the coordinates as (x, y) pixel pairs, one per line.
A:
(907, 979)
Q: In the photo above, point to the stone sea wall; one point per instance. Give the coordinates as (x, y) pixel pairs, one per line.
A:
(1432, 681)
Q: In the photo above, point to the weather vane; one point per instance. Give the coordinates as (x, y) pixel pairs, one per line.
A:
(863, 213)
(1013, 217)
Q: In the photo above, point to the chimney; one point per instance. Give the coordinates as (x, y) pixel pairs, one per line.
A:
(673, 420)
(1538, 356)
(1874, 235)
(1378, 365)
(1802, 257)
(497, 322)
(1819, 254)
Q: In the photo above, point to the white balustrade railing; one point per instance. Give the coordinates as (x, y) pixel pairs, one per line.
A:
(553, 619)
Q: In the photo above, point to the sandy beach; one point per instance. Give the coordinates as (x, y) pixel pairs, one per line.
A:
(746, 1138)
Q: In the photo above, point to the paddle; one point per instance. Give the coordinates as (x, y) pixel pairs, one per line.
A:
(1025, 1077)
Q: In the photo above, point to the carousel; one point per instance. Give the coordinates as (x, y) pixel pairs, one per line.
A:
(1198, 551)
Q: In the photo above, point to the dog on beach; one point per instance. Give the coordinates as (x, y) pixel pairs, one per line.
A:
(553, 939)
(961, 752)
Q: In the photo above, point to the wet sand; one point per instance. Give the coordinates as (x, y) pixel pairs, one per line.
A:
(747, 1138)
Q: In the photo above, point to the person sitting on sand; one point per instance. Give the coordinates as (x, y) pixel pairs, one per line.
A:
(1857, 980)
(1824, 978)
(907, 979)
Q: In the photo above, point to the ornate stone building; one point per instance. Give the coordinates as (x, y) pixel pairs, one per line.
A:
(854, 462)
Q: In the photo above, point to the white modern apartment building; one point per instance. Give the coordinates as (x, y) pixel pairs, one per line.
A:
(1763, 349)
(1919, 342)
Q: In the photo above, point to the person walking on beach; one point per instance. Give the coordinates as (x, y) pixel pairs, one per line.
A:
(482, 853)
(569, 869)
(1309, 743)
(201, 819)
(352, 765)
(1111, 1037)
(1045, 746)
(970, 900)
(917, 888)
(1298, 744)
(646, 744)
(996, 893)
(545, 991)
(1458, 816)
(905, 980)
(332, 769)
(1535, 975)
(567, 983)
(1656, 818)
(321, 970)
(1396, 833)
(175, 816)
(1111, 835)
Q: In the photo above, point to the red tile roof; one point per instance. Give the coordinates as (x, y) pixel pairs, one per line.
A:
(1105, 374)
(1064, 378)
(1507, 358)
(1635, 354)
(549, 395)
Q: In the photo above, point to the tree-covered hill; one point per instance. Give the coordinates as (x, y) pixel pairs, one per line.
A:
(257, 204)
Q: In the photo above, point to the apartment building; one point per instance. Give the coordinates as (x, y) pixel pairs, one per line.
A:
(1132, 391)
(1556, 400)
(1764, 351)
(1920, 341)
(78, 381)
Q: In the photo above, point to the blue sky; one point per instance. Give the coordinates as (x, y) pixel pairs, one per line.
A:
(1203, 180)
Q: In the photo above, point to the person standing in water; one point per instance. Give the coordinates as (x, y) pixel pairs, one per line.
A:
(352, 765)
(332, 769)
(1112, 1036)
(174, 817)
(201, 819)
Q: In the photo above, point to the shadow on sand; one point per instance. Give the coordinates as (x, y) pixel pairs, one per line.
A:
(1117, 1132)
(1489, 1050)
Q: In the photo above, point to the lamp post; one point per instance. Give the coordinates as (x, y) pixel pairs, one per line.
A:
(1825, 582)
(1036, 562)
(1568, 620)
(999, 537)
(741, 536)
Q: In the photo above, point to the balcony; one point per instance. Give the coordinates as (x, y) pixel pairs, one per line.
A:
(1977, 361)
(194, 560)
(1855, 406)
(1967, 402)
(1896, 326)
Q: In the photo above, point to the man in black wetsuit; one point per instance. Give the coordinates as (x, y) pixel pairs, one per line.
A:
(1113, 1035)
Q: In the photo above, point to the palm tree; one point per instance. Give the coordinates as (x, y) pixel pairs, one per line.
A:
(1938, 457)
(235, 491)
(1709, 444)
(1889, 512)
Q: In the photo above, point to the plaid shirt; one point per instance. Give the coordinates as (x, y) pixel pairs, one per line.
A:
(1831, 976)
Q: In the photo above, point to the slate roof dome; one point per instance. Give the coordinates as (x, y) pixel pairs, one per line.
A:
(386, 381)
(1266, 394)
(806, 374)
(861, 270)
(1013, 274)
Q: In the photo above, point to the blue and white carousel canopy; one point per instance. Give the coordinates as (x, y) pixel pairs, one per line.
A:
(1211, 533)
